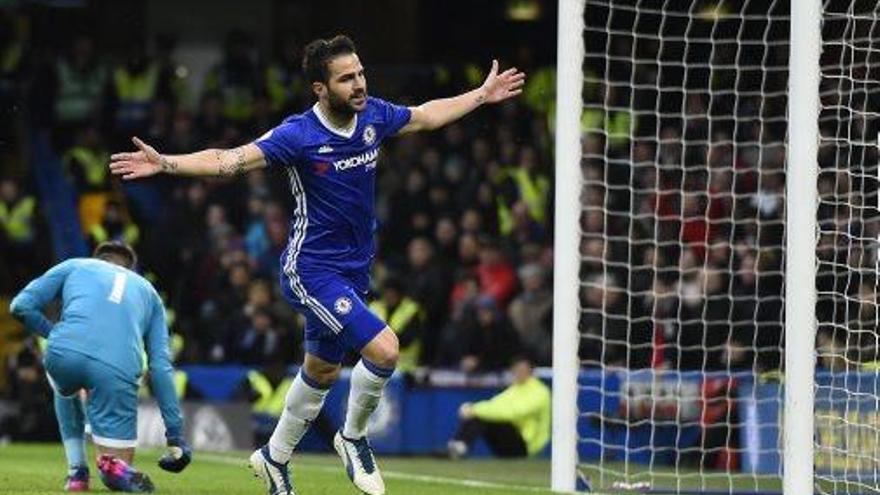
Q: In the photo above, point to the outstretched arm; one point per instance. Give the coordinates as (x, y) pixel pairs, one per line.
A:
(437, 113)
(211, 162)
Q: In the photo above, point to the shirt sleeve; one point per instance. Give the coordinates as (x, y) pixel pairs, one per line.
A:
(394, 117)
(28, 305)
(161, 371)
(280, 146)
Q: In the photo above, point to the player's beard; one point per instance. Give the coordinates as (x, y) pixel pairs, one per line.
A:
(343, 107)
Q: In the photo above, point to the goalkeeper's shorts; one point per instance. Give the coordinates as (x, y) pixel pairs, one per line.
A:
(111, 407)
(337, 319)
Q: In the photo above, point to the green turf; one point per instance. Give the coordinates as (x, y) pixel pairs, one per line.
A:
(40, 469)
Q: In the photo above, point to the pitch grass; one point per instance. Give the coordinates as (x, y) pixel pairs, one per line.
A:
(38, 469)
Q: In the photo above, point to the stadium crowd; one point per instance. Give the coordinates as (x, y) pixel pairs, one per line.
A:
(463, 273)
(682, 226)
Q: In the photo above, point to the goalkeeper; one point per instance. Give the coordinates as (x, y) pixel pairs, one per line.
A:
(514, 423)
(109, 315)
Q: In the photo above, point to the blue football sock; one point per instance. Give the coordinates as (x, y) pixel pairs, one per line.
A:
(71, 422)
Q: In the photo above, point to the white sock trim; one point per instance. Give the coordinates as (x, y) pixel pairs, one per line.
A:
(114, 443)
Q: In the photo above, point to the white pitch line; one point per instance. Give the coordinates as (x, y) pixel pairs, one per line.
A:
(392, 475)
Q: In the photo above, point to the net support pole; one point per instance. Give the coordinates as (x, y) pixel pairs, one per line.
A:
(566, 259)
(800, 248)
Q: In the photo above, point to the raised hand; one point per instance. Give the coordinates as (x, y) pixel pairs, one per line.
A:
(142, 163)
(499, 87)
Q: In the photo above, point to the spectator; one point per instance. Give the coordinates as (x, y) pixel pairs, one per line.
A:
(485, 339)
(235, 78)
(115, 225)
(86, 164)
(526, 184)
(134, 86)
(261, 341)
(446, 238)
(613, 332)
(497, 278)
(284, 84)
(76, 87)
(18, 231)
(514, 423)
(531, 314)
(407, 318)
(428, 282)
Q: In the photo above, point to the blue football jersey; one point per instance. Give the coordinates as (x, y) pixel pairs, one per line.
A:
(332, 175)
(109, 314)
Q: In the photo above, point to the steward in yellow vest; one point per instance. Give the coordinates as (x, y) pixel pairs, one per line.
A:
(135, 87)
(235, 78)
(114, 226)
(16, 214)
(514, 423)
(268, 390)
(523, 183)
(406, 317)
(284, 82)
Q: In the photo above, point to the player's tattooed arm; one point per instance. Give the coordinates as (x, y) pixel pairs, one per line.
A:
(225, 163)
(437, 113)
(168, 165)
(231, 162)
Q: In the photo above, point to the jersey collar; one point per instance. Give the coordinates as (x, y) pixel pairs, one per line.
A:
(347, 133)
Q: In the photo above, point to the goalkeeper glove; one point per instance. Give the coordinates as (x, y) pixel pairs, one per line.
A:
(178, 457)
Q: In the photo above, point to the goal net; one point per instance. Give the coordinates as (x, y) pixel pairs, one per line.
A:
(847, 402)
(685, 160)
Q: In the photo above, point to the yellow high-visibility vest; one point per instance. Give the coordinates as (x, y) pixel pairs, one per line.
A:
(17, 219)
(238, 101)
(94, 164)
(135, 92)
(403, 315)
(282, 88)
(271, 401)
(78, 92)
(130, 234)
(534, 192)
(618, 127)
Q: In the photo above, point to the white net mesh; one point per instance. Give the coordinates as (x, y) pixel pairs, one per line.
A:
(847, 385)
(684, 128)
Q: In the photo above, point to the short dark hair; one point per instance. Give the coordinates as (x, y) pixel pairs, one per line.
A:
(522, 356)
(319, 53)
(114, 250)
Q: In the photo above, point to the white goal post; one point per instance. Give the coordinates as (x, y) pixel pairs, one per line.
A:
(566, 259)
(800, 270)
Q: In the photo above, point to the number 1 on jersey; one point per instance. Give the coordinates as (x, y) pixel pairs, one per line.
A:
(118, 288)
